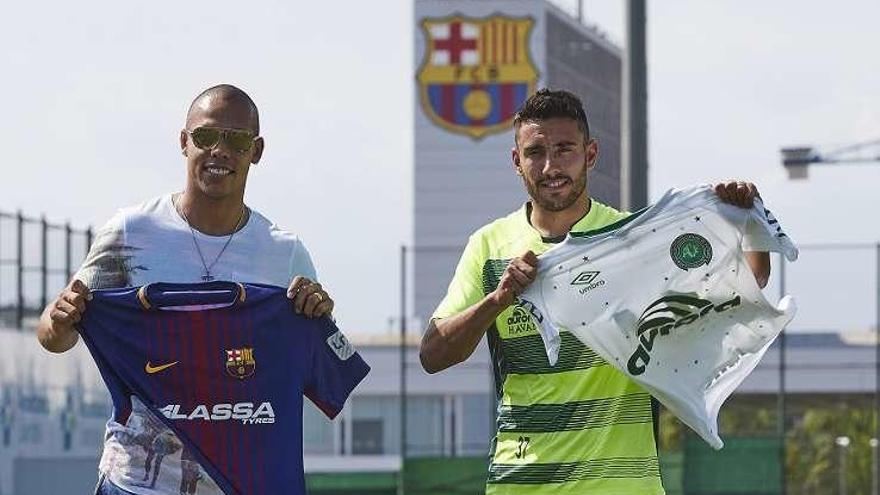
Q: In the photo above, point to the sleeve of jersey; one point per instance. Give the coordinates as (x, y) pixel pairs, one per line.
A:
(764, 233)
(466, 287)
(336, 370)
(104, 266)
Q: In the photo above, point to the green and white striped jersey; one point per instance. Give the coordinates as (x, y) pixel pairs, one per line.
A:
(578, 427)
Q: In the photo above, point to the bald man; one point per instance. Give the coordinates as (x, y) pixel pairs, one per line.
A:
(206, 232)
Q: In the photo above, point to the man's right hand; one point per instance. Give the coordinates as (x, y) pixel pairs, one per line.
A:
(517, 277)
(451, 340)
(67, 310)
(56, 330)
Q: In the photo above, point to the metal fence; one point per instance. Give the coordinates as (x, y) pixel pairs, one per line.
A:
(37, 259)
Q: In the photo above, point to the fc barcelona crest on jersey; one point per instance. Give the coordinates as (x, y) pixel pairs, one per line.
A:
(240, 362)
(476, 72)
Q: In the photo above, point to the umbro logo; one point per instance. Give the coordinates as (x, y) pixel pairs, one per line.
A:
(585, 278)
(588, 280)
(149, 368)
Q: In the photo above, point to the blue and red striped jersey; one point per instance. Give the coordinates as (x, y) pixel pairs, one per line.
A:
(225, 366)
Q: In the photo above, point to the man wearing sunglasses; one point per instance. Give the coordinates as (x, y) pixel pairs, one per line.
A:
(206, 232)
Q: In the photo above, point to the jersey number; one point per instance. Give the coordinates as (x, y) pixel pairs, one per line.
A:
(523, 445)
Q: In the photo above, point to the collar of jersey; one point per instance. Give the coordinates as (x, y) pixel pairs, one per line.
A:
(580, 226)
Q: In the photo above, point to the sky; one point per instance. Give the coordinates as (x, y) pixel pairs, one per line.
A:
(729, 84)
(97, 92)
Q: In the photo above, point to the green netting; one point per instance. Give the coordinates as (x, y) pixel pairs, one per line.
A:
(351, 483)
(672, 471)
(423, 476)
(446, 476)
(746, 465)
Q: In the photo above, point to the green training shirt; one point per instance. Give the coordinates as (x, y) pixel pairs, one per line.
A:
(580, 427)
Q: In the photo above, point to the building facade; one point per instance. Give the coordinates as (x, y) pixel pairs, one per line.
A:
(476, 62)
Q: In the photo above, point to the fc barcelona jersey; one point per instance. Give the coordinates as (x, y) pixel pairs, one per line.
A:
(225, 366)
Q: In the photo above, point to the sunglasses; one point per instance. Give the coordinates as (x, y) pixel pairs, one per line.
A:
(207, 138)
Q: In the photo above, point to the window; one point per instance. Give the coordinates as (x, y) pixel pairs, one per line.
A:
(317, 431)
(375, 425)
(367, 438)
(424, 421)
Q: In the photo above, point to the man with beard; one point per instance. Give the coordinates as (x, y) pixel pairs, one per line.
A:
(580, 426)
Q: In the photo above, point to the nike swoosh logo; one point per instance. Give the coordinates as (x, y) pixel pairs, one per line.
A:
(155, 369)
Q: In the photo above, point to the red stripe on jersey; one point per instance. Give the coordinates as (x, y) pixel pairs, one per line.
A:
(233, 442)
(259, 477)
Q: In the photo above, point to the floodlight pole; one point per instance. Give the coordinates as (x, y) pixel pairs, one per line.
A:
(842, 443)
(876, 368)
(400, 483)
(780, 405)
(634, 152)
(875, 470)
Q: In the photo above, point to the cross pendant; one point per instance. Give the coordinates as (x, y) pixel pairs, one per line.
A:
(207, 277)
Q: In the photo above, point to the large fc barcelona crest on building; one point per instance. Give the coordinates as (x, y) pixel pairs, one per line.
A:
(240, 363)
(476, 72)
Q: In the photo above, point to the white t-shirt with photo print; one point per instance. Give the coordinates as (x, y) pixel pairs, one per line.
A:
(152, 242)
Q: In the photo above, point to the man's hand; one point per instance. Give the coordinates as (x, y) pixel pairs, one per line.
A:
(737, 193)
(56, 330)
(448, 341)
(309, 298)
(518, 275)
(67, 310)
(743, 194)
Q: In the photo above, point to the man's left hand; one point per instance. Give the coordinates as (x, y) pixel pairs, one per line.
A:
(743, 194)
(309, 298)
(737, 193)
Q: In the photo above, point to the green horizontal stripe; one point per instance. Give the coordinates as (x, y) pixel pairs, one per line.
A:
(580, 415)
(527, 355)
(611, 226)
(614, 467)
(492, 271)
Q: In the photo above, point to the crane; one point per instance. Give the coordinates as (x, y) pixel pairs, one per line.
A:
(796, 159)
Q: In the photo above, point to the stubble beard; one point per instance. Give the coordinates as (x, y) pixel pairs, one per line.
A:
(579, 185)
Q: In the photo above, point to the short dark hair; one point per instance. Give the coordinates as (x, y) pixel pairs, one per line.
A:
(549, 104)
(231, 92)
